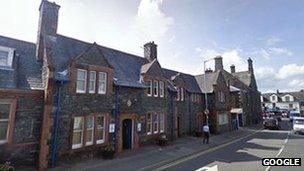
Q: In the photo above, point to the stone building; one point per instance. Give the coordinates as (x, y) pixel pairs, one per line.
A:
(64, 97)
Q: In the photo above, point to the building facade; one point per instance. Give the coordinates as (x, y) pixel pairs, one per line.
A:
(61, 97)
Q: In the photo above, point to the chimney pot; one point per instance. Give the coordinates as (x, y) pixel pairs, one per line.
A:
(232, 68)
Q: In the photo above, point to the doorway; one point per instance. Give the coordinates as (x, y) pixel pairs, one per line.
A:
(127, 134)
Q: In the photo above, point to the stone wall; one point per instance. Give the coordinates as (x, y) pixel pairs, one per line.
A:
(23, 146)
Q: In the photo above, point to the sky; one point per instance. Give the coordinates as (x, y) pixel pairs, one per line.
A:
(187, 32)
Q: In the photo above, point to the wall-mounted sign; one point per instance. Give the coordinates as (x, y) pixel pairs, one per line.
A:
(138, 127)
(111, 127)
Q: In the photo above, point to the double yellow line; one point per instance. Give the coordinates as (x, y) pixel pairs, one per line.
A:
(192, 156)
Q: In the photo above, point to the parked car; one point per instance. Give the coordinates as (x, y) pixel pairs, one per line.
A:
(271, 123)
(293, 114)
(298, 125)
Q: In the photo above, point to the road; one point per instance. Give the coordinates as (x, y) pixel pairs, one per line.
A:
(246, 154)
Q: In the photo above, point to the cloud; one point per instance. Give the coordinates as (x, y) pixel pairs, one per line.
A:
(230, 57)
(273, 41)
(151, 20)
(171, 39)
(290, 70)
(267, 53)
(262, 73)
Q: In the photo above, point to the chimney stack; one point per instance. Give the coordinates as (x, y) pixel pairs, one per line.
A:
(150, 51)
(232, 69)
(218, 63)
(250, 67)
(48, 22)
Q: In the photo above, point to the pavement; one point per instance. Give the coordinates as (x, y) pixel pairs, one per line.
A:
(154, 157)
(246, 154)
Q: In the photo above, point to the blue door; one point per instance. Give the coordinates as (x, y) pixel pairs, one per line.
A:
(127, 134)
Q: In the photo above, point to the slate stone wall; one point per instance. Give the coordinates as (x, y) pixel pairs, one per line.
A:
(24, 147)
(72, 105)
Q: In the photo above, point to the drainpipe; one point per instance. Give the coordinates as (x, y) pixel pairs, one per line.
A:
(55, 128)
(116, 115)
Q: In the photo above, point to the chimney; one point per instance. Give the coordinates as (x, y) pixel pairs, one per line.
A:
(232, 69)
(208, 71)
(150, 51)
(218, 63)
(250, 67)
(278, 92)
(48, 22)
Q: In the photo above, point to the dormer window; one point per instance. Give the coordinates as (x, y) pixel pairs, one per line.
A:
(102, 86)
(81, 81)
(6, 57)
(287, 99)
(150, 88)
(155, 88)
(161, 89)
(92, 81)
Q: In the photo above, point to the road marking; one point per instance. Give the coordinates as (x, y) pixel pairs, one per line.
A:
(192, 156)
(212, 168)
(281, 150)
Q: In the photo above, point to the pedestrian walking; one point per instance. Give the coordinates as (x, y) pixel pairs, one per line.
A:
(206, 133)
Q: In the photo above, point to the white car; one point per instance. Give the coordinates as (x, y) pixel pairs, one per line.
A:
(298, 125)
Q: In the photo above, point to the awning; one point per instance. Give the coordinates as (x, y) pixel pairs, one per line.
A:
(236, 110)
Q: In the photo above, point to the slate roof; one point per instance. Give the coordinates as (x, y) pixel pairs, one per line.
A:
(126, 66)
(299, 95)
(234, 81)
(190, 81)
(244, 76)
(28, 71)
(206, 81)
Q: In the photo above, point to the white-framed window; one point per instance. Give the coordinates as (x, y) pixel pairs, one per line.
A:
(6, 56)
(4, 121)
(100, 129)
(155, 88)
(78, 132)
(81, 81)
(221, 97)
(161, 122)
(92, 82)
(89, 130)
(178, 94)
(161, 89)
(150, 88)
(149, 123)
(223, 118)
(287, 98)
(102, 83)
(155, 123)
(182, 94)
